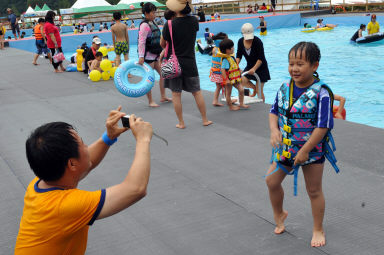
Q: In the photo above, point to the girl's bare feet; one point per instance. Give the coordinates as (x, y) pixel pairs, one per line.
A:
(165, 99)
(244, 106)
(234, 108)
(279, 220)
(153, 104)
(217, 104)
(58, 71)
(180, 125)
(35, 63)
(207, 123)
(318, 238)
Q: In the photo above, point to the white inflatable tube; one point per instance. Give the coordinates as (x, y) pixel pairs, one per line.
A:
(258, 82)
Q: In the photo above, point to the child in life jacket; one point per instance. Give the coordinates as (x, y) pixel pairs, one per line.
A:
(215, 72)
(231, 74)
(300, 121)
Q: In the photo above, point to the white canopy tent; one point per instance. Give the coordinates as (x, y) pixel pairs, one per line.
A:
(86, 3)
(30, 10)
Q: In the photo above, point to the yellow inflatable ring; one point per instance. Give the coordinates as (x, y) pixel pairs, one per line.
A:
(308, 30)
(324, 29)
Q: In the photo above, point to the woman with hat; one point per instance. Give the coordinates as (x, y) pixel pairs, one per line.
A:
(373, 25)
(184, 29)
(251, 47)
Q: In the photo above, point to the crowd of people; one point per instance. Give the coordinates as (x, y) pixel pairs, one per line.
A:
(60, 159)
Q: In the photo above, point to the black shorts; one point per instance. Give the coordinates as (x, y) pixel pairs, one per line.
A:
(319, 161)
(189, 84)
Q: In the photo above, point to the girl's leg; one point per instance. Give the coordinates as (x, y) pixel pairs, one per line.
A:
(201, 106)
(228, 93)
(176, 99)
(276, 195)
(157, 67)
(313, 175)
(151, 103)
(240, 88)
(55, 65)
(216, 95)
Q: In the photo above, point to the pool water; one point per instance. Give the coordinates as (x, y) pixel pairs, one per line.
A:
(352, 71)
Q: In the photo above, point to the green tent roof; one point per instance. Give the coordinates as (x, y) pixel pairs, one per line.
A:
(46, 8)
(37, 8)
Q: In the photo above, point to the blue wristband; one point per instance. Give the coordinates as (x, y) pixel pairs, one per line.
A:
(108, 140)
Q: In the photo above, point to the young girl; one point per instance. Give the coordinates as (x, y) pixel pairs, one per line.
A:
(215, 72)
(262, 26)
(300, 120)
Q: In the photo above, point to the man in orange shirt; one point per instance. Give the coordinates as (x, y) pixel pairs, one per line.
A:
(57, 215)
(41, 41)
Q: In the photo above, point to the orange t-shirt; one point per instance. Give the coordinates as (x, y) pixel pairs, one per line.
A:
(56, 221)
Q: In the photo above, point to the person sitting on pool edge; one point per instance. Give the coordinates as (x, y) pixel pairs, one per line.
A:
(373, 25)
(358, 33)
(321, 25)
(306, 25)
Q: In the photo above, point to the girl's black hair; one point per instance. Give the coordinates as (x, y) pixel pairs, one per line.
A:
(50, 16)
(186, 10)
(311, 50)
(362, 26)
(147, 7)
(219, 36)
(168, 14)
(226, 44)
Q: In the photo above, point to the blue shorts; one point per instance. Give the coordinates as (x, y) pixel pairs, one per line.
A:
(41, 47)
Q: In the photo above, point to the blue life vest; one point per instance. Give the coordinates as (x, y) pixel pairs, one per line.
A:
(152, 43)
(297, 120)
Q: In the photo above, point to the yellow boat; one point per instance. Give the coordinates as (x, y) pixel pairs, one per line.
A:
(324, 29)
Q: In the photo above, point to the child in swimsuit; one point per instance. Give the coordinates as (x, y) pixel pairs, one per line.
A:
(300, 122)
(120, 38)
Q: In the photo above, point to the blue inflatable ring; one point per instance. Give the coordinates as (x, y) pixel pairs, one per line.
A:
(134, 89)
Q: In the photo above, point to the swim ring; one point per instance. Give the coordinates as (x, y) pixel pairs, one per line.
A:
(324, 29)
(131, 89)
(258, 82)
(308, 30)
(370, 38)
(343, 112)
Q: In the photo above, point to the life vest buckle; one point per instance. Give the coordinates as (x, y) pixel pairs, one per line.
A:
(287, 141)
(286, 154)
(278, 156)
(287, 129)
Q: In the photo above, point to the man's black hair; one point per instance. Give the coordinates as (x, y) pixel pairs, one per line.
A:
(49, 147)
(220, 36)
(362, 26)
(226, 44)
(206, 29)
(40, 20)
(147, 7)
(117, 16)
(98, 54)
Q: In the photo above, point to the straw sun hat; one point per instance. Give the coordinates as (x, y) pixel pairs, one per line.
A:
(177, 5)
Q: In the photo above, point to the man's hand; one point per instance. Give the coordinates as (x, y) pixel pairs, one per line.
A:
(141, 61)
(142, 131)
(113, 129)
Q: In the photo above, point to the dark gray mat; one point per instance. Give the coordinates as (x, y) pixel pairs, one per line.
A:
(207, 193)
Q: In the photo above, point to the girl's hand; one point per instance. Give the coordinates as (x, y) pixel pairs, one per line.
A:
(276, 138)
(141, 61)
(301, 157)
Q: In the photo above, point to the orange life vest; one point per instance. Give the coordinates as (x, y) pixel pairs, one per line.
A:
(37, 31)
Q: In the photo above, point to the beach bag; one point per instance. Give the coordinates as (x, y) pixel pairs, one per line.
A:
(58, 57)
(170, 68)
